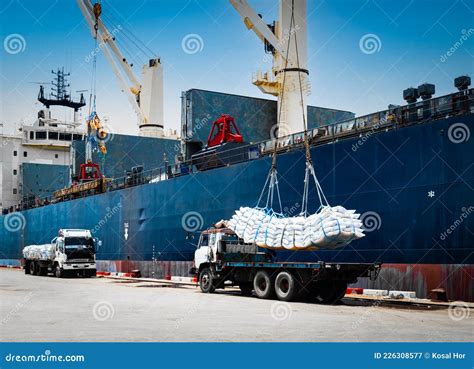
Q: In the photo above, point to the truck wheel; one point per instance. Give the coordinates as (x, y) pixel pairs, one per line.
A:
(58, 271)
(206, 281)
(27, 267)
(263, 285)
(286, 287)
(32, 267)
(37, 268)
(246, 288)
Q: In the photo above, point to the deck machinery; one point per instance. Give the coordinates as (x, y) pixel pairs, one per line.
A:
(225, 145)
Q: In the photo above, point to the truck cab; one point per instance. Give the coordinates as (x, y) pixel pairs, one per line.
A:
(222, 259)
(216, 246)
(75, 251)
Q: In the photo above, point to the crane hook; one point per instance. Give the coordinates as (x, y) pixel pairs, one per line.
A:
(97, 8)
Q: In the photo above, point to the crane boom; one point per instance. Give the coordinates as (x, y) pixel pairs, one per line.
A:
(289, 78)
(146, 98)
(109, 40)
(254, 22)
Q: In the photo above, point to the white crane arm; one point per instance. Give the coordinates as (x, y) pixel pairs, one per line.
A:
(117, 64)
(253, 21)
(87, 16)
(131, 97)
(109, 40)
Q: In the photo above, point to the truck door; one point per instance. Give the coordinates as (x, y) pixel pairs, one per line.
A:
(214, 240)
(60, 252)
(202, 253)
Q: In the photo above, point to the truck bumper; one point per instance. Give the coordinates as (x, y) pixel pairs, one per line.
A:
(79, 266)
(80, 271)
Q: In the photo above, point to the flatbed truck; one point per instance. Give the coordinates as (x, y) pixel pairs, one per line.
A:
(222, 259)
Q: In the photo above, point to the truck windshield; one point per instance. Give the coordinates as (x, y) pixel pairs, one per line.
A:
(231, 239)
(79, 241)
(79, 247)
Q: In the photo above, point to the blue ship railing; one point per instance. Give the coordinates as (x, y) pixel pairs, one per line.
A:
(394, 118)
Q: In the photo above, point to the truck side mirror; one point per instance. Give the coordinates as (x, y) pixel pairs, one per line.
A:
(98, 242)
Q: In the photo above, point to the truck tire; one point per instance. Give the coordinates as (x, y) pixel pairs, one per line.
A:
(246, 288)
(206, 281)
(58, 271)
(263, 285)
(286, 286)
(27, 267)
(32, 267)
(37, 268)
(331, 292)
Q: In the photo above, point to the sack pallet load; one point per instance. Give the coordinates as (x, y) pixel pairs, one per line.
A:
(39, 252)
(330, 228)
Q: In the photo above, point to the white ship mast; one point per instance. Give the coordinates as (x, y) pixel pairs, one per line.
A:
(286, 39)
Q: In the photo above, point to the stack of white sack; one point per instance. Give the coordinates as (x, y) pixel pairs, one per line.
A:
(330, 228)
(39, 252)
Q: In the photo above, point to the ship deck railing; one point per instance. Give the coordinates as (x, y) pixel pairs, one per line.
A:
(396, 117)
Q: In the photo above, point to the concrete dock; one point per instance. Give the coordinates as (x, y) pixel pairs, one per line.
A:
(98, 309)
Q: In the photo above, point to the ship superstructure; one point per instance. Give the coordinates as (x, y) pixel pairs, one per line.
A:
(39, 148)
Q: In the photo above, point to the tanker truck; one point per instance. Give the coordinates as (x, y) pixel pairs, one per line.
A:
(71, 253)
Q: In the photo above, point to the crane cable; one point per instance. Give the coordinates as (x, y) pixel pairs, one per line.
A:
(128, 34)
(309, 171)
(93, 121)
(97, 9)
(92, 95)
(272, 178)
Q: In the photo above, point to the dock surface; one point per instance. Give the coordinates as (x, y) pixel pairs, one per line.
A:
(102, 309)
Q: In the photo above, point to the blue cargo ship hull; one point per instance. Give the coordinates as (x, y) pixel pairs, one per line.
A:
(414, 183)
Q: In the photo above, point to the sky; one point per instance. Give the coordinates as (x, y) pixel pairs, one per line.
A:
(362, 53)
